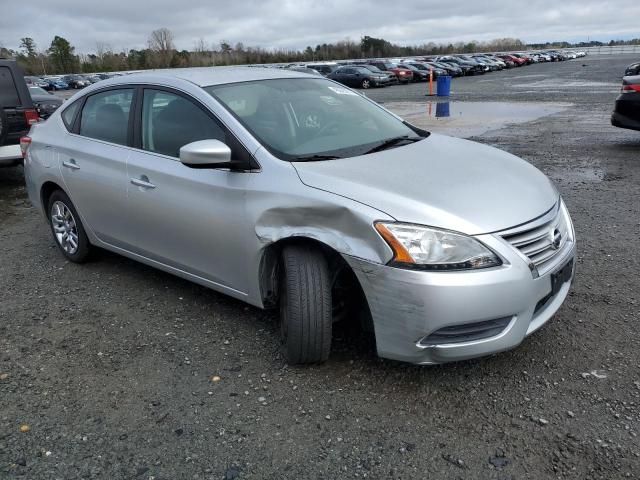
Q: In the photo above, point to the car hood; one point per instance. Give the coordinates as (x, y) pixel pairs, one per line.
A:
(440, 181)
(46, 99)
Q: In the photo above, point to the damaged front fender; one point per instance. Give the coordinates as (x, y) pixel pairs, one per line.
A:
(303, 213)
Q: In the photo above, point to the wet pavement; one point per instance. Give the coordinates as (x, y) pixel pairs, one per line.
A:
(466, 119)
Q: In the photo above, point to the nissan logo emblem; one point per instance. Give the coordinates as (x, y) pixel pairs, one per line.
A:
(556, 239)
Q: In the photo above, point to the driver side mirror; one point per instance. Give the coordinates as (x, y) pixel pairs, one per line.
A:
(209, 154)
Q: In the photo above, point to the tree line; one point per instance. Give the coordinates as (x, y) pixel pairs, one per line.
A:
(60, 56)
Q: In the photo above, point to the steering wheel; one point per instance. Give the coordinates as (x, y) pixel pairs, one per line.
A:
(325, 128)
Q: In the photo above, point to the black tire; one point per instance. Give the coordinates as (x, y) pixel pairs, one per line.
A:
(366, 83)
(4, 125)
(83, 250)
(305, 305)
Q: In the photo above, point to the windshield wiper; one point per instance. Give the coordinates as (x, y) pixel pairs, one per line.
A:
(392, 142)
(315, 158)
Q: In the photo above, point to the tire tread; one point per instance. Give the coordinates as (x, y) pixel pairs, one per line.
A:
(309, 314)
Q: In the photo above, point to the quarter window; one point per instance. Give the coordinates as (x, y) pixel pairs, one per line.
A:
(105, 116)
(69, 114)
(170, 121)
(8, 90)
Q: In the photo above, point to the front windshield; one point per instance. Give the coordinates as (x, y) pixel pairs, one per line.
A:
(311, 119)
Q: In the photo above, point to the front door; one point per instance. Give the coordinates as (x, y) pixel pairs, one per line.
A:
(190, 219)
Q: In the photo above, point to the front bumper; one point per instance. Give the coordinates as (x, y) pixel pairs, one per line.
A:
(381, 82)
(408, 306)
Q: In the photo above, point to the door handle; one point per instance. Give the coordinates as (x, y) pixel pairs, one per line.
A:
(143, 182)
(71, 163)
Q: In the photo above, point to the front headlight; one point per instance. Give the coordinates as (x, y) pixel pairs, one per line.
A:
(426, 248)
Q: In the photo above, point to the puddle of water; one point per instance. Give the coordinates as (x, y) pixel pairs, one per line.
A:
(466, 119)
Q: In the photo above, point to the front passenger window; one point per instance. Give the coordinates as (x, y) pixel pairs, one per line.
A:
(170, 121)
(105, 116)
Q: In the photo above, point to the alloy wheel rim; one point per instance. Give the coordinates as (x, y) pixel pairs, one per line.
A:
(64, 227)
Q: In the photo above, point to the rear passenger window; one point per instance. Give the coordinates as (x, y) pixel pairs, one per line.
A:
(105, 116)
(170, 121)
(8, 91)
(69, 114)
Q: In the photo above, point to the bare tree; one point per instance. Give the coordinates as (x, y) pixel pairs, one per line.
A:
(201, 55)
(161, 43)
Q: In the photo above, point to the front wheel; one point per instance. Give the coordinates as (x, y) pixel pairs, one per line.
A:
(366, 83)
(67, 229)
(305, 305)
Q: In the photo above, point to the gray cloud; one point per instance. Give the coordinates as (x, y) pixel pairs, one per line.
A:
(124, 24)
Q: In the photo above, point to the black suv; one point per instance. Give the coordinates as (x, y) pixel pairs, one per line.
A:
(16, 112)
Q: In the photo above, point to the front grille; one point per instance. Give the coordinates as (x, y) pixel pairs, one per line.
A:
(467, 332)
(542, 240)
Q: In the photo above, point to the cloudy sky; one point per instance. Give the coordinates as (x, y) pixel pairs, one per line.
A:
(124, 24)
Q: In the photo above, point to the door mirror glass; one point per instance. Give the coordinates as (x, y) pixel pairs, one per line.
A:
(206, 153)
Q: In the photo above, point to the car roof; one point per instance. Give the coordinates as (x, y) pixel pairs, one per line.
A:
(206, 76)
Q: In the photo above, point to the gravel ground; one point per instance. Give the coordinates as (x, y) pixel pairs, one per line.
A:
(119, 371)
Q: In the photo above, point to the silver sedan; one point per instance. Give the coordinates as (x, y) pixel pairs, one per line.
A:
(294, 192)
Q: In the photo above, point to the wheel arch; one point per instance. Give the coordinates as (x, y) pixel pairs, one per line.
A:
(46, 190)
(270, 269)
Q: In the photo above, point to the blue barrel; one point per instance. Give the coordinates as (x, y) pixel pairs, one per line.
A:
(444, 86)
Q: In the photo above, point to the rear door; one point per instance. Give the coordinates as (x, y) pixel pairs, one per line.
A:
(190, 219)
(93, 161)
(348, 76)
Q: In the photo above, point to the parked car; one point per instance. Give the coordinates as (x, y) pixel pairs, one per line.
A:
(428, 69)
(55, 83)
(402, 74)
(35, 81)
(632, 70)
(525, 58)
(452, 69)
(292, 192)
(324, 68)
(44, 102)
(93, 79)
(626, 113)
(358, 77)
(517, 61)
(481, 66)
(391, 77)
(17, 112)
(496, 63)
(556, 56)
(308, 70)
(419, 75)
(469, 68)
(76, 81)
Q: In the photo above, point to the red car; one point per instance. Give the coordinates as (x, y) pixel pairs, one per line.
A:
(404, 75)
(517, 60)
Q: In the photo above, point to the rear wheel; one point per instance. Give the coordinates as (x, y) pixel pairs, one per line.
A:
(67, 229)
(366, 83)
(305, 305)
